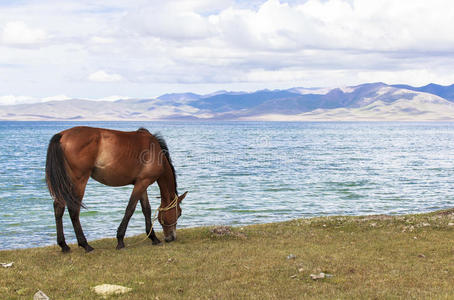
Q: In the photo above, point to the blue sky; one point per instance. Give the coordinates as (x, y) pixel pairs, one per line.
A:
(110, 49)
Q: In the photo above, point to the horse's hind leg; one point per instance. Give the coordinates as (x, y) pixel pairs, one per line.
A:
(146, 209)
(74, 214)
(81, 240)
(59, 211)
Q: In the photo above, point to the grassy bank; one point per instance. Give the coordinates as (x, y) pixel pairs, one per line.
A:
(369, 257)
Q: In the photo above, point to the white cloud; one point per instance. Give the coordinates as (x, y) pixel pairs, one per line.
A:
(168, 24)
(204, 45)
(19, 33)
(113, 98)
(55, 98)
(383, 25)
(102, 40)
(11, 100)
(102, 76)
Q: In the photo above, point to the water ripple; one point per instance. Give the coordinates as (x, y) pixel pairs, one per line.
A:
(241, 173)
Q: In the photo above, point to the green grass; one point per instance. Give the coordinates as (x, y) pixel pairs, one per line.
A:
(369, 257)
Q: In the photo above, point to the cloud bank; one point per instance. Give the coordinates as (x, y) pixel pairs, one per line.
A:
(94, 49)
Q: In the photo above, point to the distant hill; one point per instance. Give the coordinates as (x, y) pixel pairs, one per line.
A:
(370, 101)
(446, 92)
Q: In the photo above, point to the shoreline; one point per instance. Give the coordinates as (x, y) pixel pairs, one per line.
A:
(331, 217)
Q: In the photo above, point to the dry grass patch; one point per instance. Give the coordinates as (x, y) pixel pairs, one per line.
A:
(369, 257)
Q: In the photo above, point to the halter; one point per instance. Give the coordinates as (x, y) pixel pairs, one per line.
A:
(171, 205)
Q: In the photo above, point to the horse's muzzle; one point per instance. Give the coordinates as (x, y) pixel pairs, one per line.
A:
(171, 237)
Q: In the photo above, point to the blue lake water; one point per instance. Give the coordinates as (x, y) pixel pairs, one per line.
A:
(241, 173)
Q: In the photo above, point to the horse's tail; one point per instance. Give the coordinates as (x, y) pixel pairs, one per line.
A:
(58, 182)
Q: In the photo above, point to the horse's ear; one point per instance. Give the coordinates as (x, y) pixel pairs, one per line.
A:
(180, 198)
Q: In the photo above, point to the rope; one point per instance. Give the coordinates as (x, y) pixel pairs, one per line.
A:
(154, 217)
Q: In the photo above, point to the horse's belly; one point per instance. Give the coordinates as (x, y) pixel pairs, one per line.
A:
(111, 176)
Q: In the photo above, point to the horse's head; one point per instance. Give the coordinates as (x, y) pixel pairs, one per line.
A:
(168, 219)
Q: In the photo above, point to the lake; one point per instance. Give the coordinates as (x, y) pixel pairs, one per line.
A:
(241, 173)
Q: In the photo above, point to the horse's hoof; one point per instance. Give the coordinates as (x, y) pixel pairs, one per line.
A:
(120, 246)
(156, 242)
(65, 249)
(89, 248)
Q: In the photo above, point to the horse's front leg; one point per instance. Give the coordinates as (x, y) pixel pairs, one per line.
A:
(139, 189)
(146, 209)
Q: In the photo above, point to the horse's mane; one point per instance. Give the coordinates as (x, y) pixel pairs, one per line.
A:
(165, 149)
(143, 129)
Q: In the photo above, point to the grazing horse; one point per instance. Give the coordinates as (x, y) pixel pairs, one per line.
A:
(114, 158)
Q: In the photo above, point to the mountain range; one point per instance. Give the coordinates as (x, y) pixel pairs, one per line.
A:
(365, 102)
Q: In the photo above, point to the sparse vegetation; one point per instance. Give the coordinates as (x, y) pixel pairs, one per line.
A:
(369, 257)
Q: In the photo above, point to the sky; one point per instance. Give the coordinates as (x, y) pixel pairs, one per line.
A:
(91, 49)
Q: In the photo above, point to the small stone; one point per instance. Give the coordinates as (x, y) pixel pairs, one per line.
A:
(40, 296)
(300, 270)
(317, 276)
(373, 224)
(110, 289)
(450, 224)
(291, 256)
(293, 276)
(425, 224)
(421, 255)
(320, 276)
(7, 265)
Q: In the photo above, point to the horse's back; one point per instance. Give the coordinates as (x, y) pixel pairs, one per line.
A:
(111, 157)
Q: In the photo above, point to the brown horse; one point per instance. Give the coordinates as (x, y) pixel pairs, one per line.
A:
(114, 158)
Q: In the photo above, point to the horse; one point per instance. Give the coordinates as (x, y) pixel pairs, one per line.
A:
(113, 158)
